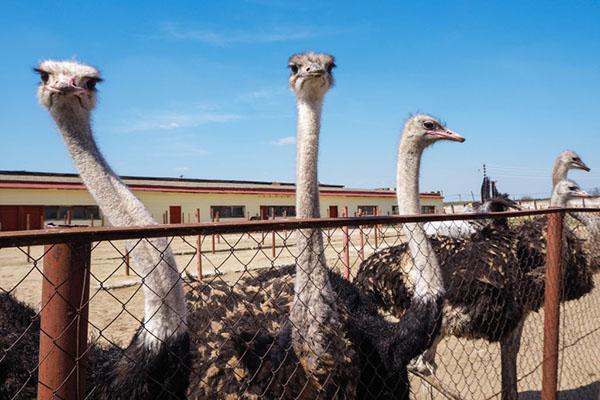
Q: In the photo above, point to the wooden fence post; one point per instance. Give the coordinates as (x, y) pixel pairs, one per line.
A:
(64, 321)
(551, 304)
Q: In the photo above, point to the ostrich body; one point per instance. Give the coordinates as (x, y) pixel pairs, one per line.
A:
(257, 330)
(156, 362)
(493, 280)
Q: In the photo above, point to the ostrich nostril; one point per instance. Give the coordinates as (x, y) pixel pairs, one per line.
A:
(307, 69)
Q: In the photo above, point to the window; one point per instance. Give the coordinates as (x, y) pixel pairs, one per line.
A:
(367, 210)
(280, 211)
(77, 212)
(228, 211)
(427, 209)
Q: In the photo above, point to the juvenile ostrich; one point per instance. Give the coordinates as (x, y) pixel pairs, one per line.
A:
(156, 363)
(567, 160)
(493, 280)
(270, 338)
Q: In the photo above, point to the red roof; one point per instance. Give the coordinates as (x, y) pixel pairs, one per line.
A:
(228, 190)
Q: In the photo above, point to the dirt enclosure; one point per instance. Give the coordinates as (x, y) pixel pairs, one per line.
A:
(467, 369)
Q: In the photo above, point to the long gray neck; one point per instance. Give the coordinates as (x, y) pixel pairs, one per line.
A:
(559, 172)
(307, 154)
(314, 315)
(407, 178)
(425, 273)
(165, 310)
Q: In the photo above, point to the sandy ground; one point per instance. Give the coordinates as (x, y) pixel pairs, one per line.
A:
(466, 369)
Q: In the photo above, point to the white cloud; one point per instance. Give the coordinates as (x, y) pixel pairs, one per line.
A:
(235, 37)
(288, 140)
(169, 121)
(261, 94)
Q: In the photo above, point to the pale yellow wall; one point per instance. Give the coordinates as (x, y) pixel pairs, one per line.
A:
(159, 202)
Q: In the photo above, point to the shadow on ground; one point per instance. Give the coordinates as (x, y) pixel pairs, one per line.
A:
(588, 392)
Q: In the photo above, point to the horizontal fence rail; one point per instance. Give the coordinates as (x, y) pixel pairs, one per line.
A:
(58, 235)
(520, 312)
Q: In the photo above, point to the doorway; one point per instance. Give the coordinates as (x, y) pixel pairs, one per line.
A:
(333, 211)
(174, 214)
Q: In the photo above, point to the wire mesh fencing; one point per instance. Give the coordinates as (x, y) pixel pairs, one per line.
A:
(264, 321)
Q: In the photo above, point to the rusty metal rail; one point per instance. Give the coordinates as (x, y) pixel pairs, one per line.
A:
(66, 281)
(91, 234)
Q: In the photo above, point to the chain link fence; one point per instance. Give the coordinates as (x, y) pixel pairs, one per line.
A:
(242, 292)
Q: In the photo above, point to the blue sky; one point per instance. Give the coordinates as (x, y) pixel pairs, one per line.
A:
(200, 88)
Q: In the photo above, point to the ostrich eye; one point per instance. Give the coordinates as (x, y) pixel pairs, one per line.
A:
(330, 67)
(44, 76)
(91, 84)
(577, 159)
(428, 125)
(294, 68)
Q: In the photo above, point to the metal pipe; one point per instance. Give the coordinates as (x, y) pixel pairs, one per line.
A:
(198, 248)
(64, 321)
(273, 234)
(39, 237)
(346, 245)
(551, 304)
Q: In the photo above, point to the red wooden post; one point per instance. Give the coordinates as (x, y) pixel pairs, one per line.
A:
(213, 235)
(362, 243)
(199, 248)
(346, 246)
(376, 231)
(126, 262)
(27, 226)
(64, 321)
(273, 234)
(551, 305)
(218, 219)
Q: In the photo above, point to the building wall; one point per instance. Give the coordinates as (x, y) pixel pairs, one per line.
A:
(158, 202)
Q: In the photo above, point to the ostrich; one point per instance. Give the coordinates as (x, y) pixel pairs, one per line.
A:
(465, 229)
(156, 363)
(303, 331)
(566, 161)
(493, 280)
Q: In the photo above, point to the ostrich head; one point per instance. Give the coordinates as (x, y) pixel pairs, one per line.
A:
(67, 85)
(566, 190)
(311, 74)
(423, 130)
(572, 160)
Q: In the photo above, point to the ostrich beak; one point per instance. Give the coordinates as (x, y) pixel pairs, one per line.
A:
(66, 88)
(447, 134)
(581, 165)
(582, 194)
